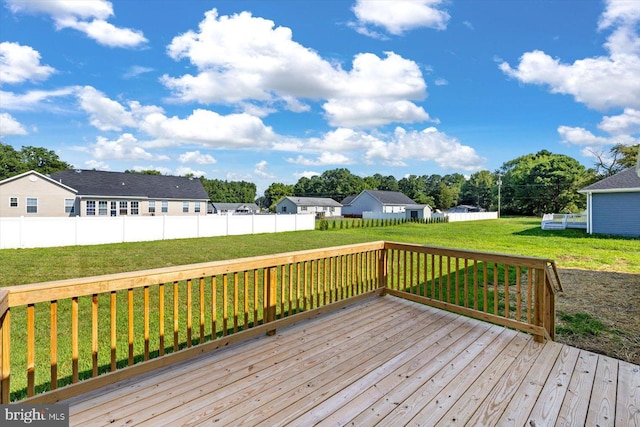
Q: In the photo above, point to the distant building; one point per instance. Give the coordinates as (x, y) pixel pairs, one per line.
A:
(100, 193)
(320, 206)
(379, 203)
(613, 204)
(234, 208)
(465, 209)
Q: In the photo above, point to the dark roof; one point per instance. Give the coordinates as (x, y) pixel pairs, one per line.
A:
(347, 200)
(234, 206)
(391, 197)
(313, 201)
(119, 184)
(628, 179)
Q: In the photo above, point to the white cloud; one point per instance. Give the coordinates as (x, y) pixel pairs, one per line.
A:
(183, 170)
(162, 169)
(136, 70)
(125, 147)
(243, 58)
(209, 129)
(602, 82)
(426, 145)
(104, 113)
(34, 99)
(20, 63)
(626, 123)
(197, 157)
(582, 136)
(325, 158)
(306, 174)
(87, 16)
(261, 169)
(98, 165)
(398, 17)
(10, 126)
(441, 82)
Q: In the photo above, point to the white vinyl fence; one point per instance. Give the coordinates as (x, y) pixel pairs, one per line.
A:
(466, 216)
(25, 232)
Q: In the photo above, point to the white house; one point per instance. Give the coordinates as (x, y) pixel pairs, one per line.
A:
(380, 204)
(320, 206)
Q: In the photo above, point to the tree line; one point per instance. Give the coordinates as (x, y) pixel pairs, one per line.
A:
(532, 184)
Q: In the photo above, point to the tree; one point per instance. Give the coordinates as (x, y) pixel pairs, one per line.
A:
(39, 159)
(414, 187)
(10, 162)
(479, 190)
(144, 172)
(544, 182)
(274, 193)
(229, 192)
(619, 158)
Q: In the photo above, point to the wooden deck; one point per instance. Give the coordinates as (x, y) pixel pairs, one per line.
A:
(383, 360)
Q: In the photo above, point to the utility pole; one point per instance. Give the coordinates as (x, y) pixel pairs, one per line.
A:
(499, 185)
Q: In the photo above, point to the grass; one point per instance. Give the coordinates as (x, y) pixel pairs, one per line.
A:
(518, 236)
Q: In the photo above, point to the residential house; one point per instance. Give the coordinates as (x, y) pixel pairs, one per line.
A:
(320, 206)
(100, 193)
(34, 194)
(377, 203)
(234, 208)
(465, 209)
(613, 204)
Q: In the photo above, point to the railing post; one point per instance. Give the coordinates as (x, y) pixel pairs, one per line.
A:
(382, 268)
(540, 303)
(5, 347)
(271, 286)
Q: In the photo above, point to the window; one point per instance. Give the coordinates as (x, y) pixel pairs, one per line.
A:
(196, 207)
(102, 207)
(185, 207)
(135, 208)
(165, 206)
(123, 207)
(91, 207)
(114, 208)
(303, 208)
(70, 206)
(152, 206)
(32, 205)
(13, 202)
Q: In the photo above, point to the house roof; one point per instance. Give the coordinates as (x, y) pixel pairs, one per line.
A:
(390, 197)
(119, 184)
(234, 206)
(313, 201)
(41, 176)
(347, 200)
(627, 180)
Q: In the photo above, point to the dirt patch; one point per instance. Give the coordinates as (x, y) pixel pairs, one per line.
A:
(612, 298)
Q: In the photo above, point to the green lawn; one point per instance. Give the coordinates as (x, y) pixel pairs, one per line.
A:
(519, 236)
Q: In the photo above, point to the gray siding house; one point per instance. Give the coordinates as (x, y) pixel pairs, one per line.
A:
(234, 208)
(384, 202)
(613, 204)
(320, 206)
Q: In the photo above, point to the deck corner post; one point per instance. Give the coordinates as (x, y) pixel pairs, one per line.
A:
(540, 301)
(5, 348)
(272, 289)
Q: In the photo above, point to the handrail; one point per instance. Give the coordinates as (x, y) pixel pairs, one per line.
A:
(115, 326)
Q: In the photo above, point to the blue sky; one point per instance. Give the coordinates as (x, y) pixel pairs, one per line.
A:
(272, 90)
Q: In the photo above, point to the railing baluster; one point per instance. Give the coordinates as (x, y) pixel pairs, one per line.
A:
(202, 310)
(485, 284)
(53, 343)
(506, 291)
(176, 317)
(74, 339)
(214, 308)
(245, 281)
(518, 294)
(495, 289)
(290, 289)
(94, 335)
(255, 297)
(146, 322)
(130, 324)
(161, 318)
(235, 302)
(5, 356)
(225, 306)
(457, 281)
(31, 349)
(189, 313)
(113, 329)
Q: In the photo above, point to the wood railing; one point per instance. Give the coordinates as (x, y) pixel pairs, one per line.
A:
(64, 338)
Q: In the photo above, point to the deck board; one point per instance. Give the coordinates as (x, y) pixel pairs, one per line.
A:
(382, 360)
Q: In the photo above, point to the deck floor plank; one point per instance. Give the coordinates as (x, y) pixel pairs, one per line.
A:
(382, 360)
(602, 404)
